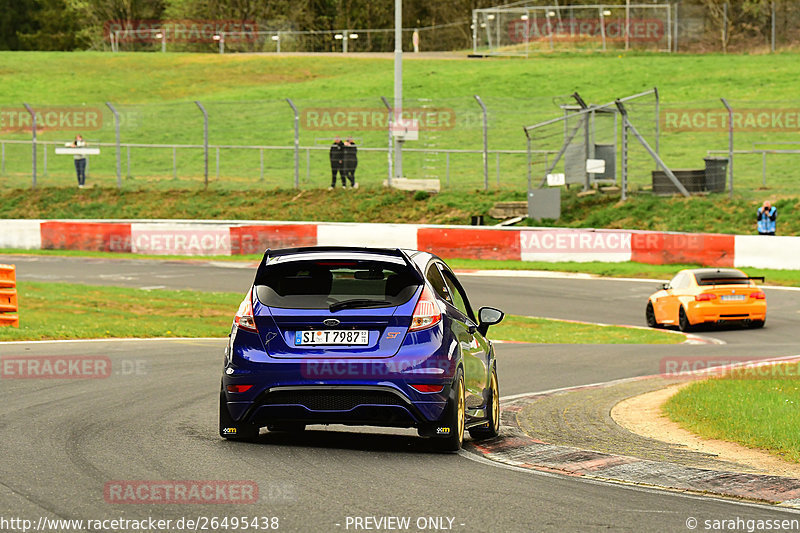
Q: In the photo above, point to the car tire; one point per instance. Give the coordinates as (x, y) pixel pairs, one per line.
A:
(755, 324)
(454, 418)
(683, 321)
(650, 316)
(227, 423)
(492, 427)
(287, 427)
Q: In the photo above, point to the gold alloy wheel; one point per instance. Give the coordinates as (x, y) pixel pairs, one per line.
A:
(495, 403)
(461, 410)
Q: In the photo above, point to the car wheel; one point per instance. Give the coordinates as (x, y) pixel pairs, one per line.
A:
(683, 321)
(229, 428)
(650, 316)
(454, 419)
(755, 324)
(492, 427)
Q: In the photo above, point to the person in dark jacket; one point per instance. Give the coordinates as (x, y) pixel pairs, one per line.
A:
(337, 161)
(766, 217)
(350, 161)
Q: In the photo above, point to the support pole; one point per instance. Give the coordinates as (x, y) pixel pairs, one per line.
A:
(33, 142)
(398, 83)
(391, 139)
(119, 148)
(730, 146)
(205, 142)
(624, 180)
(296, 143)
(485, 144)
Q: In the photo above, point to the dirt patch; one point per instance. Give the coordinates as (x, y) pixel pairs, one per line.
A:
(642, 415)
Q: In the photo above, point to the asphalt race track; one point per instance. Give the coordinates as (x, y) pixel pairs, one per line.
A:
(154, 418)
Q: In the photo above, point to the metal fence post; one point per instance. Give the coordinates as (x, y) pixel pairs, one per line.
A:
(119, 148)
(33, 142)
(296, 144)
(624, 178)
(528, 156)
(730, 145)
(658, 119)
(205, 142)
(485, 144)
(772, 27)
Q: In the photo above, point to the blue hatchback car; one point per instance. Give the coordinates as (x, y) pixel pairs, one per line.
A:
(359, 336)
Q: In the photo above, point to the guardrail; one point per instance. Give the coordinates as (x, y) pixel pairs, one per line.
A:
(8, 296)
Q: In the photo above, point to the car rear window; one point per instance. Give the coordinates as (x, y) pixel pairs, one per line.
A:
(723, 277)
(319, 284)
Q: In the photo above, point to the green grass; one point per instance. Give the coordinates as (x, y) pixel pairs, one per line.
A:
(75, 311)
(713, 214)
(630, 269)
(755, 408)
(550, 331)
(245, 97)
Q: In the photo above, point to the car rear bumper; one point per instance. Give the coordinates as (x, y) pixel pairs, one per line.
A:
(712, 312)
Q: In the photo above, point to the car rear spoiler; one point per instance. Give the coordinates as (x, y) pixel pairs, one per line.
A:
(721, 281)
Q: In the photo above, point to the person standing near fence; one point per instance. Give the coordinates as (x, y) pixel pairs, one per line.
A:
(337, 161)
(80, 160)
(766, 218)
(350, 161)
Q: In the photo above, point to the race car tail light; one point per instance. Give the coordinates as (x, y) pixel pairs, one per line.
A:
(244, 316)
(427, 313)
(427, 388)
(705, 297)
(239, 388)
(758, 295)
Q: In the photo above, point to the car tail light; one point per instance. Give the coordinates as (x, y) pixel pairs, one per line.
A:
(705, 297)
(239, 388)
(427, 313)
(425, 387)
(244, 316)
(758, 295)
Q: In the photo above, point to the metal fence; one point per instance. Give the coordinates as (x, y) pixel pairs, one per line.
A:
(529, 26)
(265, 144)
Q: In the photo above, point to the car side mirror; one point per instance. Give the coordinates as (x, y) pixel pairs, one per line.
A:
(488, 316)
(664, 286)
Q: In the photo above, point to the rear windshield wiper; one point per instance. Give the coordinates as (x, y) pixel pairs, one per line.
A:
(356, 303)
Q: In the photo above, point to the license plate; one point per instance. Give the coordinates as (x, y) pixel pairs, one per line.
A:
(732, 297)
(358, 337)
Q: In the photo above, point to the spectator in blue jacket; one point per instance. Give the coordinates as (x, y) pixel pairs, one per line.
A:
(766, 216)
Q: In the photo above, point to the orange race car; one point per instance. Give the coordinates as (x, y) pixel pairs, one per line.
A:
(707, 296)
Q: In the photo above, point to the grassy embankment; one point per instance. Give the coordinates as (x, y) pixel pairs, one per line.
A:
(245, 97)
(753, 406)
(713, 214)
(73, 311)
